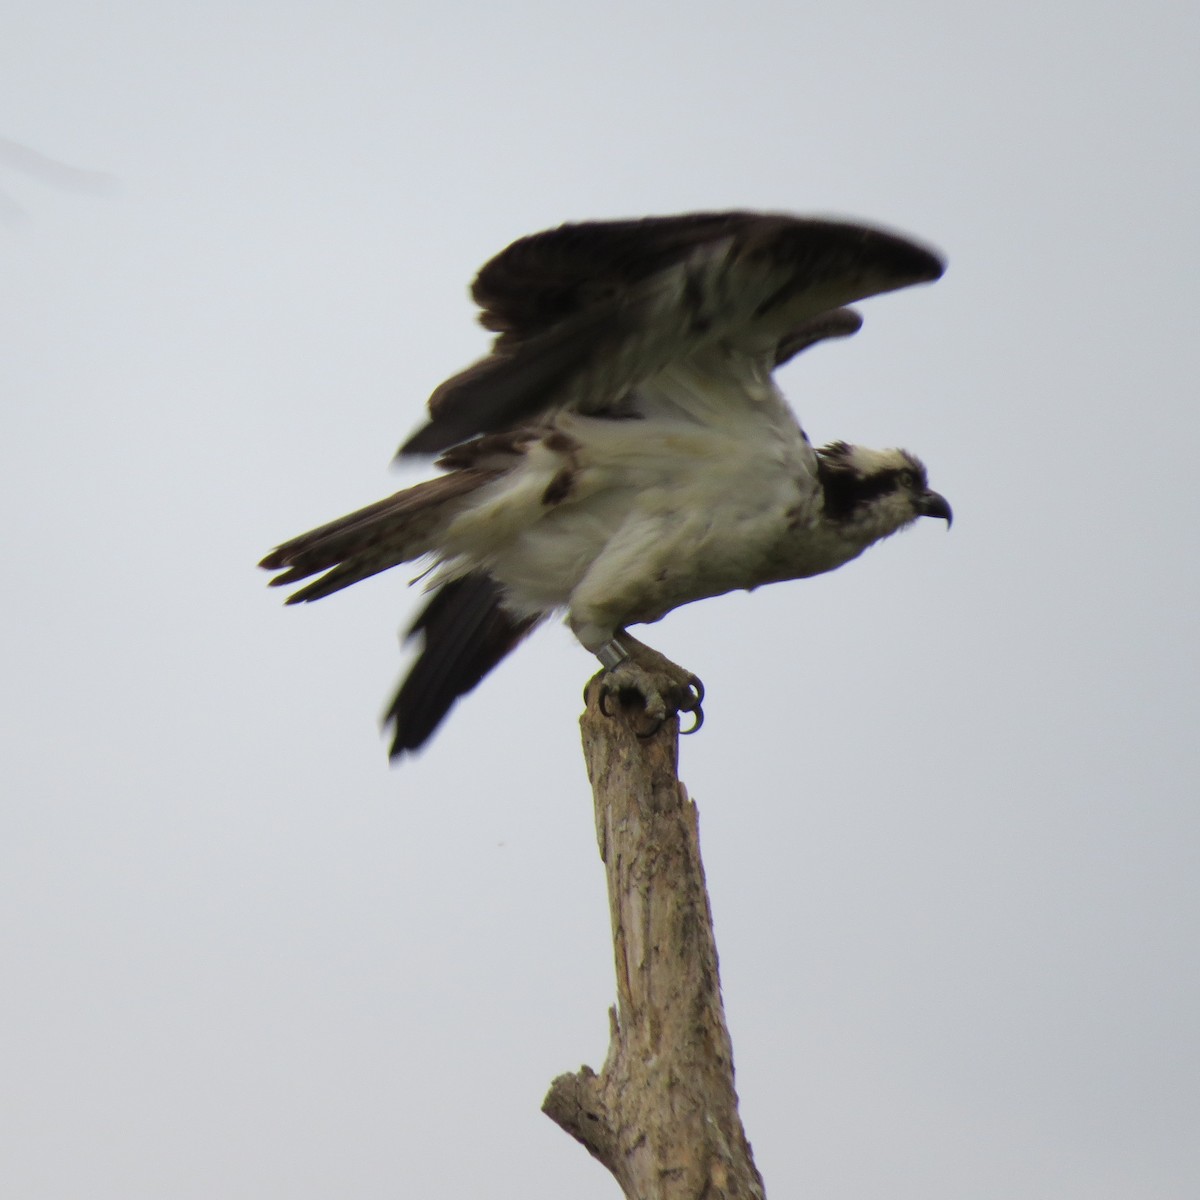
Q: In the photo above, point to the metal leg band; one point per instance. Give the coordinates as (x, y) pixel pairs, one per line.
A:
(612, 654)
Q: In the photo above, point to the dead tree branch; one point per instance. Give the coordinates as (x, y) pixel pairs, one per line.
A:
(662, 1114)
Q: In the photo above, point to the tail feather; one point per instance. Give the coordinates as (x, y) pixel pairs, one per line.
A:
(371, 540)
(465, 633)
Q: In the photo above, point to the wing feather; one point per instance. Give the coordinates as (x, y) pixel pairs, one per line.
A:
(837, 323)
(585, 312)
(548, 277)
(465, 632)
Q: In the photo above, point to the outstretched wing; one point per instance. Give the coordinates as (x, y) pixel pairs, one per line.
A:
(585, 312)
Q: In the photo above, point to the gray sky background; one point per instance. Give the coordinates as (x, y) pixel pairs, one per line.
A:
(949, 795)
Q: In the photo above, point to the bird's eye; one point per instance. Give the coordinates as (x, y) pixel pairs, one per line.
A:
(906, 479)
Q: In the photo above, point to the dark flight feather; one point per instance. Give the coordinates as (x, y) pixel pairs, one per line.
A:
(837, 323)
(464, 632)
(548, 277)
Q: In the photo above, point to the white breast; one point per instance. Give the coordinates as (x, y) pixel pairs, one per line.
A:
(688, 500)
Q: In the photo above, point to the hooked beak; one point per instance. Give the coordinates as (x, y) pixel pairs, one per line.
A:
(933, 505)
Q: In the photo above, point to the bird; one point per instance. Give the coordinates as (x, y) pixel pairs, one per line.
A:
(624, 449)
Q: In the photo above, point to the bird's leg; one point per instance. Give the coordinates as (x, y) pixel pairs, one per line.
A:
(635, 674)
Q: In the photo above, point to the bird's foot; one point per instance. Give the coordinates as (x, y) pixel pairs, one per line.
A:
(650, 682)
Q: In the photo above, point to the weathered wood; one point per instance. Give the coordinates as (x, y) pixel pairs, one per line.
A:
(662, 1114)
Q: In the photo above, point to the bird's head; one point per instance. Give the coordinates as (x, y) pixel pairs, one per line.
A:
(873, 493)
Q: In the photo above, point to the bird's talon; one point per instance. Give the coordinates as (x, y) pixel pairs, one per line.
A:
(645, 680)
(645, 737)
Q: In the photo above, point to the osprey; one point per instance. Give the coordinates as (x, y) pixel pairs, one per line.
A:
(624, 449)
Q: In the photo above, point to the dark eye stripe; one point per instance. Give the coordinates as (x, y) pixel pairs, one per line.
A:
(845, 491)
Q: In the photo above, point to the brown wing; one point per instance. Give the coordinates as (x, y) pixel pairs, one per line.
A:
(544, 279)
(585, 312)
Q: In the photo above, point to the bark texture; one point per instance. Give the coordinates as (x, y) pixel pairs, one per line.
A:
(662, 1114)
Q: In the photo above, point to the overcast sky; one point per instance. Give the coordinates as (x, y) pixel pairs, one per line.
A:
(949, 796)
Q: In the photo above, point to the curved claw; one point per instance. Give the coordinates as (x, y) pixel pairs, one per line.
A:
(694, 698)
(695, 707)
